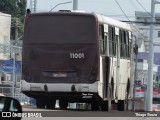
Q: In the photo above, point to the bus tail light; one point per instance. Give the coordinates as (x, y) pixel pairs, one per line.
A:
(27, 17)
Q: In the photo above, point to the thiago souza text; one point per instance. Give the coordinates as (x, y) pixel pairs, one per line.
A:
(146, 114)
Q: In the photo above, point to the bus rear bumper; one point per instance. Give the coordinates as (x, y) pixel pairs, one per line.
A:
(58, 87)
(81, 93)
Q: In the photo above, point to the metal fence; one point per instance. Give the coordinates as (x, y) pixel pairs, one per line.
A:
(7, 91)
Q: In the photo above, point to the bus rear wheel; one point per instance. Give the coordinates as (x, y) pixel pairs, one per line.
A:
(40, 103)
(94, 105)
(122, 105)
(50, 104)
(63, 104)
(107, 105)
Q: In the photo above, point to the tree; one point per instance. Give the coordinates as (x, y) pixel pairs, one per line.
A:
(8, 6)
(17, 10)
(22, 8)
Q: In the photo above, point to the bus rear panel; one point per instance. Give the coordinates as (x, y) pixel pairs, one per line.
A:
(60, 55)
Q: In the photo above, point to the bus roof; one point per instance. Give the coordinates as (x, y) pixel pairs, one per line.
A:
(106, 20)
(60, 13)
(101, 18)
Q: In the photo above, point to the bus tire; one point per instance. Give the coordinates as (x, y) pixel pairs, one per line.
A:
(122, 105)
(95, 105)
(50, 104)
(109, 97)
(40, 103)
(63, 104)
(104, 106)
(107, 105)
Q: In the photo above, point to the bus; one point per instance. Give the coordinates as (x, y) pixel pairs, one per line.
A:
(76, 57)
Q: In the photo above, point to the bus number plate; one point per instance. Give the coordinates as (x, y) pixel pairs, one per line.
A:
(59, 75)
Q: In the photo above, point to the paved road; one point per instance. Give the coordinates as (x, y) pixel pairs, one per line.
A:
(71, 114)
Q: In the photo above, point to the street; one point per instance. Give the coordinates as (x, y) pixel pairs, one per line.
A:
(70, 114)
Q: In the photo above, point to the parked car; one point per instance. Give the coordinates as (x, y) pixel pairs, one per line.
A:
(8, 106)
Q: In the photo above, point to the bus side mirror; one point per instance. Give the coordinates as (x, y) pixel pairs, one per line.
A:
(135, 49)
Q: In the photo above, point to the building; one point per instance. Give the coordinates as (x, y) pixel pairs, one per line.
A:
(5, 26)
(142, 73)
(142, 21)
(144, 56)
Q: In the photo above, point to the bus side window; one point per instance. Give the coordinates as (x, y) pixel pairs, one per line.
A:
(105, 42)
(124, 44)
(121, 45)
(112, 41)
(116, 44)
(127, 44)
(129, 50)
(101, 38)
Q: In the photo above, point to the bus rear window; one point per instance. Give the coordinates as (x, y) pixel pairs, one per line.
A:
(56, 29)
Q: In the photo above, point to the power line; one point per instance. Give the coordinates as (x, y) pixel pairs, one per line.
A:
(128, 18)
(122, 10)
(148, 23)
(116, 15)
(133, 4)
(144, 8)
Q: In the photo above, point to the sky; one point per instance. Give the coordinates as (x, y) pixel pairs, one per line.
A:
(106, 7)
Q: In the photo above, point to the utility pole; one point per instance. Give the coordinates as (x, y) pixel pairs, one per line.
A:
(14, 58)
(33, 6)
(75, 4)
(14, 76)
(149, 95)
(135, 71)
